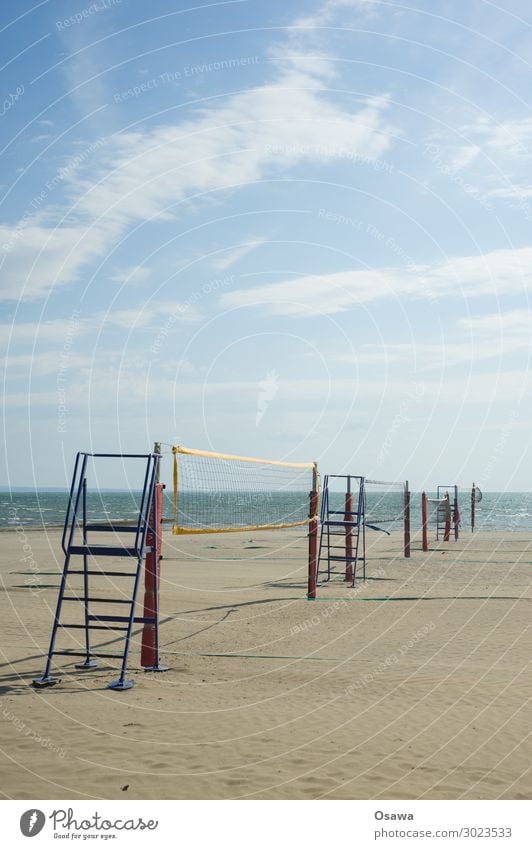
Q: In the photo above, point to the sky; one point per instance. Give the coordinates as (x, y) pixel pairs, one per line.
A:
(297, 231)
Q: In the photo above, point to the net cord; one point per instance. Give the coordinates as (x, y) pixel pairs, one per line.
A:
(179, 530)
(180, 449)
(385, 483)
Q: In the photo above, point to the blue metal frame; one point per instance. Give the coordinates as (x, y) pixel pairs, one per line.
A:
(73, 521)
(335, 523)
(88, 662)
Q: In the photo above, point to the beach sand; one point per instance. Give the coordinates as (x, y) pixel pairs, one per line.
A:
(415, 685)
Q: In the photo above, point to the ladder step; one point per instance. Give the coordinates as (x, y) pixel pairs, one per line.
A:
(139, 619)
(342, 512)
(342, 536)
(105, 550)
(104, 574)
(336, 523)
(101, 526)
(333, 572)
(110, 600)
(92, 627)
(84, 654)
(343, 558)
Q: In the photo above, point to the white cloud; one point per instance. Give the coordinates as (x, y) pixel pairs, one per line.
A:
(327, 12)
(152, 314)
(325, 294)
(128, 383)
(498, 273)
(491, 336)
(502, 148)
(357, 5)
(40, 365)
(427, 357)
(463, 156)
(145, 174)
(512, 192)
(515, 321)
(256, 131)
(507, 138)
(35, 258)
(132, 274)
(510, 137)
(53, 331)
(232, 256)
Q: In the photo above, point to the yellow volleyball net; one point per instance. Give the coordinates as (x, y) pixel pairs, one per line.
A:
(221, 493)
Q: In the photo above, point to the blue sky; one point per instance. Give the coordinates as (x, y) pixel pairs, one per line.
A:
(292, 230)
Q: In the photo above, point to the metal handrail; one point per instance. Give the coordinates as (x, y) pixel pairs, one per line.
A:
(69, 505)
(71, 512)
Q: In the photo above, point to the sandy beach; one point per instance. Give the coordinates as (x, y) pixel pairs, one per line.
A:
(416, 685)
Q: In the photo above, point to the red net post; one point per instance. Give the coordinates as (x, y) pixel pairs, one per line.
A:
(447, 531)
(424, 521)
(348, 519)
(149, 656)
(313, 537)
(407, 521)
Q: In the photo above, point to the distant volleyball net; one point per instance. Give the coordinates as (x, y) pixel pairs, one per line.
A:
(220, 493)
(386, 502)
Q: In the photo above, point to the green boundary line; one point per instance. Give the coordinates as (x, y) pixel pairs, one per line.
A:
(432, 598)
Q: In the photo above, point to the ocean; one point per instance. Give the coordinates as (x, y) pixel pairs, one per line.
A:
(497, 511)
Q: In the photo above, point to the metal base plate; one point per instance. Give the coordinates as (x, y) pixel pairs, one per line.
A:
(158, 668)
(47, 681)
(121, 685)
(87, 664)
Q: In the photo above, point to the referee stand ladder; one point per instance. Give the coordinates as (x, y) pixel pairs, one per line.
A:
(82, 565)
(441, 530)
(343, 534)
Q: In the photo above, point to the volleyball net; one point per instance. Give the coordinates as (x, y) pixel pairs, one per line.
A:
(387, 508)
(385, 502)
(220, 493)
